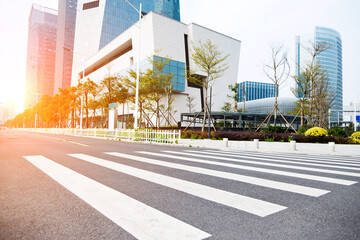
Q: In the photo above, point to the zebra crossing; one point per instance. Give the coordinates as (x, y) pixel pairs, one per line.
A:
(146, 222)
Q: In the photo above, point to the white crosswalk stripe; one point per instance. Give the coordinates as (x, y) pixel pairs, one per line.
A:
(292, 161)
(145, 222)
(314, 192)
(257, 169)
(308, 159)
(272, 164)
(319, 158)
(140, 220)
(247, 204)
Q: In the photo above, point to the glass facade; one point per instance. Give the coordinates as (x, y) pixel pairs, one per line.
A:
(119, 15)
(177, 69)
(331, 61)
(255, 90)
(65, 38)
(41, 52)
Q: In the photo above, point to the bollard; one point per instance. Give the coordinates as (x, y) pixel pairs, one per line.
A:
(331, 147)
(256, 143)
(293, 145)
(225, 142)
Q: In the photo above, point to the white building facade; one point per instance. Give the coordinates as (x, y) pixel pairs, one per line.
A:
(166, 38)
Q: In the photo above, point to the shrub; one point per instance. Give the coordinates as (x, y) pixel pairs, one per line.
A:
(316, 132)
(355, 137)
(269, 140)
(304, 128)
(337, 131)
(273, 129)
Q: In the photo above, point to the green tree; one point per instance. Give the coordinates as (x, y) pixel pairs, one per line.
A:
(311, 79)
(159, 84)
(86, 90)
(129, 81)
(227, 107)
(234, 88)
(210, 61)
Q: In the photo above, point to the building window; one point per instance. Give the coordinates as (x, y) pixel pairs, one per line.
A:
(90, 5)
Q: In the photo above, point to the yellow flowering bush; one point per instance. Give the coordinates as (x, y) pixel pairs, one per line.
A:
(316, 131)
(355, 137)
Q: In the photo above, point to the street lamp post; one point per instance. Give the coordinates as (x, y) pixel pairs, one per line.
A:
(137, 69)
(355, 122)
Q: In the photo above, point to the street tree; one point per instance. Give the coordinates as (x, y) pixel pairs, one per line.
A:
(277, 70)
(211, 62)
(159, 84)
(310, 79)
(235, 97)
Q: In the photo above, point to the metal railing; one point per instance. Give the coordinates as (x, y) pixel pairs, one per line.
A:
(144, 135)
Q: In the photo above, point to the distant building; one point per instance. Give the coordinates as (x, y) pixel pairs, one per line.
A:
(65, 43)
(3, 113)
(100, 22)
(250, 91)
(41, 49)
(330, 60)
(265, 106)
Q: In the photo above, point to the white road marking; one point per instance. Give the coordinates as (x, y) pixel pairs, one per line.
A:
(299, 158)
(257, 169)
(251, 205)
(314, 192)
(271, 164)
(140, 220)
(302, 156)
(293, 160)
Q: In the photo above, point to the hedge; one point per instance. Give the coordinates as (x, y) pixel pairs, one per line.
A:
(278, 137)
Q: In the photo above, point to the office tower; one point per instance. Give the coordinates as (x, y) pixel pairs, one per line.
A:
(330, 61)
(41, 49)
(255, 90)
(64, 43)
(99, 22)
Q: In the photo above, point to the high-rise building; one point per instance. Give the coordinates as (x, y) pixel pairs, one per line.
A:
(99, 22)
(255, 90)
(330, 61)
(64, 43)
(41, 49)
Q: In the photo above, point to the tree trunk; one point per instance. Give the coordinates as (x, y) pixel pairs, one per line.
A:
(302, 112)
(205, 110)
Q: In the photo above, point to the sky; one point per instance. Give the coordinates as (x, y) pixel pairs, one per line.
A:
(256, 23)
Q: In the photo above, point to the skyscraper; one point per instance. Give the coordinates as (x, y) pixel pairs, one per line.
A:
(99, 22)
(65, 42)
(41, 49)
(330, 61)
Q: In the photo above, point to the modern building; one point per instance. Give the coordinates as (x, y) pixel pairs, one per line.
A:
(41, 50)
(351, 113)
(173, 39)
(64, 43)
(100, 22)
(266, 105)
(330, 60)
(250, 91)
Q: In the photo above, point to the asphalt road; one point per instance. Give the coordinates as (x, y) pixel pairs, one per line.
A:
(62, 187)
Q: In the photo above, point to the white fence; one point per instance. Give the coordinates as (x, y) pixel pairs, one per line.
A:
(145, 135)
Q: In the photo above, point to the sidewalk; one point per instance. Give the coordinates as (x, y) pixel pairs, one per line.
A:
(276, 147)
